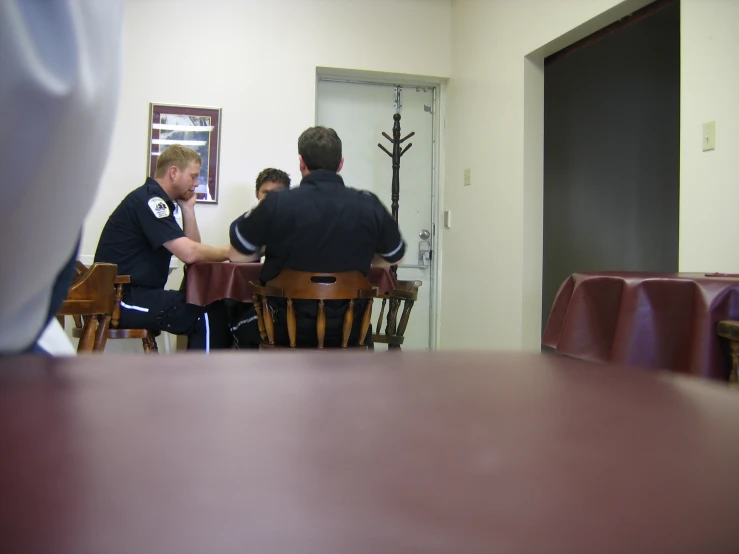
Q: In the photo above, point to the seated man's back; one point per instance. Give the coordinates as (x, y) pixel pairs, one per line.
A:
(322, 225)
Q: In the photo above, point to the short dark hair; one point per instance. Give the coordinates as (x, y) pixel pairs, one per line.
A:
(320, 148)
(273, 175)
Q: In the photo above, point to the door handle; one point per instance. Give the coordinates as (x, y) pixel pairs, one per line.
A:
(424, 252)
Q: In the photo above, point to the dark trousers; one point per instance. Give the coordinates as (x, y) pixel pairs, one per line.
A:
(245, 328)
(166, 310)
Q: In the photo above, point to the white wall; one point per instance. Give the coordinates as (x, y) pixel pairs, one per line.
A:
(709, 181)
(257, 60)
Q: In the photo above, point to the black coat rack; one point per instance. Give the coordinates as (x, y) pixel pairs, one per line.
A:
(396, 154)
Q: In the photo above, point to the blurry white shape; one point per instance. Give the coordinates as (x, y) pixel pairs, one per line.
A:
(197, 128)
(59, 77)
(55, 341)
(182, 142)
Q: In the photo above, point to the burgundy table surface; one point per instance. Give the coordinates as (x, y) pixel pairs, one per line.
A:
(335, 453)
(211, 281)
(665, 321)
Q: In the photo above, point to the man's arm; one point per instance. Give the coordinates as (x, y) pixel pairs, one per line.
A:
(236, 256)
(189, 221)
(190, 251)
(390, 244)
(379, 261)
(249, 233)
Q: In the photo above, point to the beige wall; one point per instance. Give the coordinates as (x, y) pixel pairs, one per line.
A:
(494, 246)
(495, 127)
(259, 65)
(709, 181)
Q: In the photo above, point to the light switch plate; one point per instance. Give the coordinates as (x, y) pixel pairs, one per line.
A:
(448, 219)
(709, 136)
(467, 177)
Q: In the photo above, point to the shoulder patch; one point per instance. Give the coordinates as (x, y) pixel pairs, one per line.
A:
(159, 207)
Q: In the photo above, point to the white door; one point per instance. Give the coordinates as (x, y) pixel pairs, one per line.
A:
(360, 113)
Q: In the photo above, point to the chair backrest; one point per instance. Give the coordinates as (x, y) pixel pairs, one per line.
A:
(299, 285)
(405, 294)
(92, 291)
(120, 280)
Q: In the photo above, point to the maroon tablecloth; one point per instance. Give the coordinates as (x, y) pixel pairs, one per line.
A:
(328, 453)
(663, 321)
(208, 282)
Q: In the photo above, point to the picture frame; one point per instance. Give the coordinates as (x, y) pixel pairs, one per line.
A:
(180, 124)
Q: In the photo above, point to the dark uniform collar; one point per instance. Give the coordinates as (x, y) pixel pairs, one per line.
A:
(155, 189)
(322, 178)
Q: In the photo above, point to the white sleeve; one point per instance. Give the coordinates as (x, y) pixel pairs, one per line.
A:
(59, 76)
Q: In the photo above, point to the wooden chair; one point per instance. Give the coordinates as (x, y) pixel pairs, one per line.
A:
(91, 297)
(405, 294)
(297, 285)
(729, 330)
(147, 336)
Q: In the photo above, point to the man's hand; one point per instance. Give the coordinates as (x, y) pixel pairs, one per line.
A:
(187, 201)
(189, 223)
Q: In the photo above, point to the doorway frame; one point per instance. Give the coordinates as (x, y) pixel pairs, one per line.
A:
(437, 171)
(533, 163)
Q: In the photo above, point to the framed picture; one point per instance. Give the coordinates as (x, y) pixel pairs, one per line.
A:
(196, 127)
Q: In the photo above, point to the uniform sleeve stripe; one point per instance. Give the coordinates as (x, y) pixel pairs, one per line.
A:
(245, 243)
(136, 308)
(394, 251)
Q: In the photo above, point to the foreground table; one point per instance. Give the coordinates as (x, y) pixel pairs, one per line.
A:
(333, 453)
(665, 321)
(210, 281)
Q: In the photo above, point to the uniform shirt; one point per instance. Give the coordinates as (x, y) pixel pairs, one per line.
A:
(321, 226)
(59, 76)
(135, 232)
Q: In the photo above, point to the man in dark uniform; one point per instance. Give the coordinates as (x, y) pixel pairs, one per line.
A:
(140, 237)
(320, 226)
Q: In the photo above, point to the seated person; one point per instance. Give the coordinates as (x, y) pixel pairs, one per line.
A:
(140, 237)
(320, 226)
(270, 180)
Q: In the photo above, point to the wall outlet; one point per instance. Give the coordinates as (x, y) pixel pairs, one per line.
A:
(709, 136)
(467, 177)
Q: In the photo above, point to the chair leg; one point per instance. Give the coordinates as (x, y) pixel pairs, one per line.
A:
(87, 340)
(150, 345)
(101, 336)
(734, 375)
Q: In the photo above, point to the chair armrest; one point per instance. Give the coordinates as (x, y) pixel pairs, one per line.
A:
(400, 294)
(122, 279)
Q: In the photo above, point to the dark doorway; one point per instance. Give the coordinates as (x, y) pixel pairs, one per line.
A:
(612, 150)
